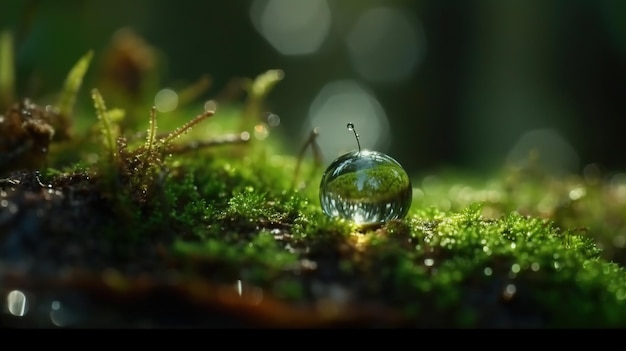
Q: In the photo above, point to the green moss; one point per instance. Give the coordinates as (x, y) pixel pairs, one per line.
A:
(591, 204)
(237, 259)
(433, 263)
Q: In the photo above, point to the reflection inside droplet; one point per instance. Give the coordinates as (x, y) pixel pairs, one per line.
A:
(16, 302)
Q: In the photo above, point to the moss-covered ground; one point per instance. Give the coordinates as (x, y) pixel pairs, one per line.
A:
(121, 224)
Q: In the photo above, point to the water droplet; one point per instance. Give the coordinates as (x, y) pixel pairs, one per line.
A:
(364, 186)
(210, 105)
(367, 187)
(166, 100)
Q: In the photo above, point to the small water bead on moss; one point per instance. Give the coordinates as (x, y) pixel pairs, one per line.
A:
(366, 187)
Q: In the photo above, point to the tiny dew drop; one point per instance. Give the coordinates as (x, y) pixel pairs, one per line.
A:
(351, 127)
(366, 187)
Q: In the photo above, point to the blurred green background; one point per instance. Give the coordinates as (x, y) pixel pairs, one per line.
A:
(464, 84)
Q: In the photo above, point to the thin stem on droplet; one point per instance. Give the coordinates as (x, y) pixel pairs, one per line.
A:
(351, 127)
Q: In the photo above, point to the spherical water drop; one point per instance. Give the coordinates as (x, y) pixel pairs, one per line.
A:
(366, 187)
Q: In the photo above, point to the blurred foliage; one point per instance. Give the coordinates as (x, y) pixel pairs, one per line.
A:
(492, 71)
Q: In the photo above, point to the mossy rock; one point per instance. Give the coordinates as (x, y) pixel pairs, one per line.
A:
(213, 233)
(230, 236)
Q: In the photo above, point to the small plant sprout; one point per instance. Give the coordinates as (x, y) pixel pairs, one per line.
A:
(141, 168)
(366, 187)
(72, 85)
(317, 157)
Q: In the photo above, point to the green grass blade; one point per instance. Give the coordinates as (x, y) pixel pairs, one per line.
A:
(7, 70)
(72, 84)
